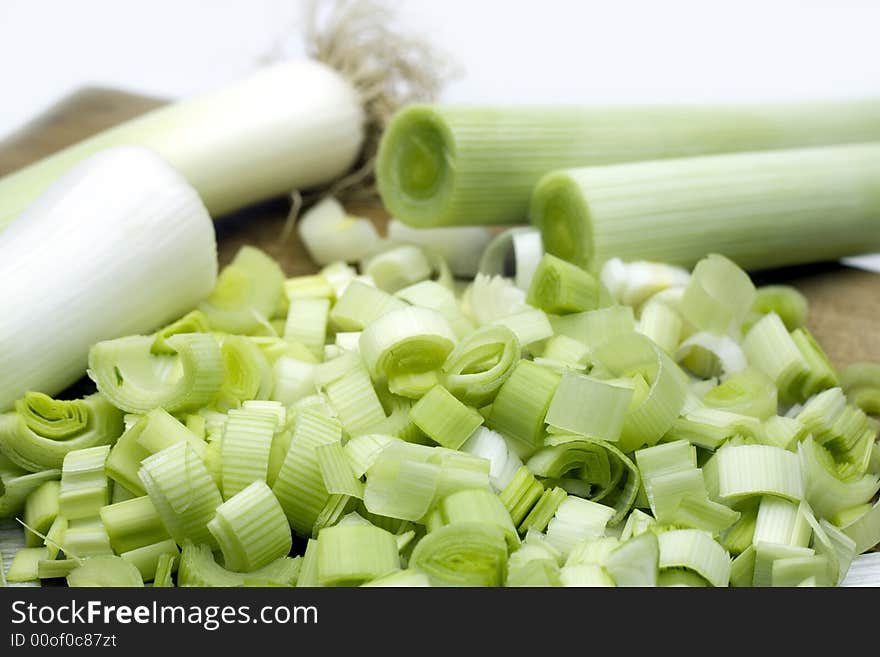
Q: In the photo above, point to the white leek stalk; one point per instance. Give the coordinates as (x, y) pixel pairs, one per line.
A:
(291, 126)
(120, 245)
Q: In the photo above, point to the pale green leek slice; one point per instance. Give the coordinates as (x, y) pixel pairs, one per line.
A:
(193, 322)
(463, 554)
(635, 562)
(718, 295)
(361, 305)
(708, 355)
(363, 450)
(662, 324)
(791, 571)
(749, 392)
(861, 382)
(105, 571)
(251, 529)
(146, 558)
(86, 537)
(299, 486)
(710, 427)
(521, 405)
(521, 495)
(736, 472)
(133, 524)
(245, 449)
(41, 508)
(784, 300)
(198, 568)
(247, 292)
(543, 511)
(183, 492)
(352, 554)
(560, 287)
(680, 577)
(633, 354)
(166, 564)
(770, 348)
(400, 578)
(480, 364)
(766, 554)
(55, 536)
(336, 471)
(577, 520)
(594, 327)
(54, 568)
(307, 324)
(41, 431)
(588, 406)
(865, 530)
(25, 564)
(826, 492)
(248, 374)
(433, 295)
(84, 486)
(137, 381)
(695, 550)
(350, 391)
(409, 340)
(780, 521)
(444, 419)
(476, 506)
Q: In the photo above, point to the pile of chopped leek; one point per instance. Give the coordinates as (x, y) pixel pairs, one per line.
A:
(388, 425)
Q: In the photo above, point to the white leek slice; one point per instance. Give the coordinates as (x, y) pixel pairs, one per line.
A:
(460, 246)
(631, 283)
(635, 562)
(137, 381)
(131, 247)
(490, 298)
(293, 380)
(739, 471)
(330, 235)
(864, 571)
(576, 520)
(409, 340)
(707, 355)
(491, 445)
(397, 267)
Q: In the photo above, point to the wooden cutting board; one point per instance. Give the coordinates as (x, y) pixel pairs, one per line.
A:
(844, 302)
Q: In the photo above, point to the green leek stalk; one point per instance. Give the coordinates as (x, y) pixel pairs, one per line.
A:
(442, 166)
(763, 209)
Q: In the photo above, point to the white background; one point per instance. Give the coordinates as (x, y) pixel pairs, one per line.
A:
(516, 51)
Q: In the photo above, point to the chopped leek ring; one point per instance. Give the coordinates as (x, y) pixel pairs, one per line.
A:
(718, 295)
(299, 485)
(133, 524)
(41, 509)
(409, 340)
(84, 486)
(251, 529)
(560, 287)
(463, 554)
(695, 550)
(135, 380)
(198, 568)
(105, 571)
(521, 406)
(193, 322)
(248, 374)
(247, 292)
(735, 472)
(633, 354)
(785, 301)
(444, 419)
(352, 554)
(183, 492)
(245, 449)
(749, 392)
(480, 364)
(588, 406)
(41, 431)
